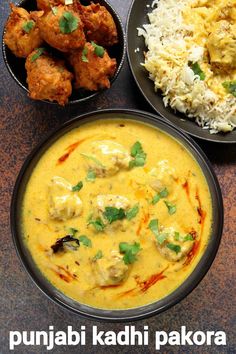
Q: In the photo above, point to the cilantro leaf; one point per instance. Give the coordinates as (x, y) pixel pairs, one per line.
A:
(98, 224)
(131, 213)
(85, 241)
(171, 207)
(68, 23)
(28, 26)
(84, 55)
(38, 53)
(91, 176)
(153, 226)
(161, 238)
(130, 251)
(138, 154)
(230, 87)
(112, 214)
(173, 247)
(197, 70)
(98, 255)
(77, 187)
(162, 194)
(177, 236)
(98, 49)
(73, 231)
(188, 237)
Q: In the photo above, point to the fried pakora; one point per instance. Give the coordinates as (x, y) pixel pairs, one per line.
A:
(62, 28)
(48, 78)
(21, 34)
(46, 5)
(92, 67)
(99, 25)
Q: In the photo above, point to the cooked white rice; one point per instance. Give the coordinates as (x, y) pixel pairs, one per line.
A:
(167, 62)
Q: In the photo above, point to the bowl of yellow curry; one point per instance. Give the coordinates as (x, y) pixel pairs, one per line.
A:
(117, 215)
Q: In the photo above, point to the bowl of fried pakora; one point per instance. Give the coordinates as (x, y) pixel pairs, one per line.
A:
(63, 51)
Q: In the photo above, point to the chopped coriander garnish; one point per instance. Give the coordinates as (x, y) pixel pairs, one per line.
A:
(91, 157)
(230, 87)
(54, 10)
(188, 237)
(112, 214)
(91, 176)
(77, 187)
(84, 55)
(197, 70)
(98, 224)
(171, 207)
(73, 231)
(130, 251)
(161, 238)
(173, 247)
(162, 194)
(153, 226)
(36, 55)
(131, 213)
(98, 50)
(98, 255)
(28, 26)
(68, 23)
(85, 241)
(138, 154)
(177, 236)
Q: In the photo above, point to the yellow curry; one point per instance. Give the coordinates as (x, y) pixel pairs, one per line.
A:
(116, 214)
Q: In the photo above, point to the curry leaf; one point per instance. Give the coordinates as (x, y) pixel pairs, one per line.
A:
(59, 244)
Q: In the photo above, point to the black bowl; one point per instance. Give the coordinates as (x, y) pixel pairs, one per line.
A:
(136, 18)
(147, 310)
(16, 66)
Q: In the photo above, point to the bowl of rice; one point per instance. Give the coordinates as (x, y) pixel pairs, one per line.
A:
(183, 57)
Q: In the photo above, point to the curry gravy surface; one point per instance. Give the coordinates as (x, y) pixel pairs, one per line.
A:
(151, 276)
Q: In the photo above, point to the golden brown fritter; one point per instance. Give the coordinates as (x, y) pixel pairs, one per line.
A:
(92, 72)
(99, 25)
(48, 78)
(22, 35)
(46, 5)
(62, 29)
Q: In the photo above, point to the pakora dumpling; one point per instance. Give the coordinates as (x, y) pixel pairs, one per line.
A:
(110, 270)
(63, 202)
(106, 157)
(99, 25)
(46, 5)
(162, 176)
(48, 78)
(22, 34)
(92, 71)
(173, 245)
(62, 28)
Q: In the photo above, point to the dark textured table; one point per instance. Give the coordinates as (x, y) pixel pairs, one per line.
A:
(210, 307)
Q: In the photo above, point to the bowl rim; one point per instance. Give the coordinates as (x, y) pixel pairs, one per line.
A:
(212, 138)
(200, 269)
(123, 44)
